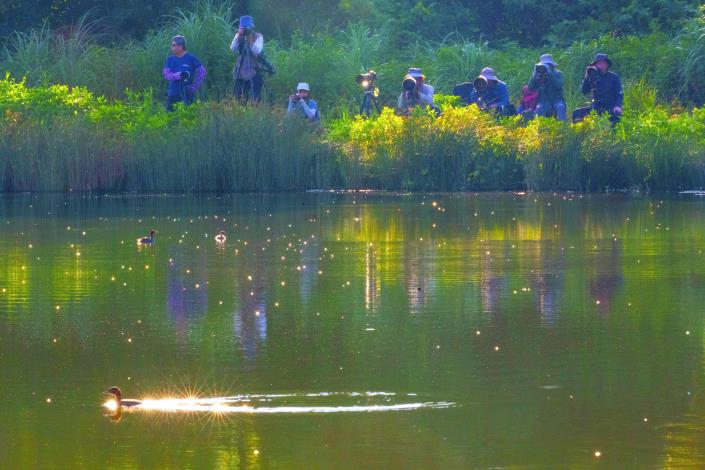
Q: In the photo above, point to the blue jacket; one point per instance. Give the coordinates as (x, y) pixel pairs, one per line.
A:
(607, 92)
(497, 95)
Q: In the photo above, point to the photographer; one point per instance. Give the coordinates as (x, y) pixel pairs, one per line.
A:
(605, 88)
(301, 103)
(248, 45)
(184, 72)
(415, 92)
(491, 94)
(548, 81)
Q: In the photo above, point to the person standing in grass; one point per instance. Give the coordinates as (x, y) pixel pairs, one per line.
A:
(301, 104)
(184, 72)
(548, 81)
(605, 87)
(248, 46)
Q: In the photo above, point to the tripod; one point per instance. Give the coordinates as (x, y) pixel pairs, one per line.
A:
(369, 99)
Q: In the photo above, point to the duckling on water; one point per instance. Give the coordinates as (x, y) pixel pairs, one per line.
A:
(220, 238)
(146, 240)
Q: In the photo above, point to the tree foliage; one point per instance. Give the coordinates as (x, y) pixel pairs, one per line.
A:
(528, 22)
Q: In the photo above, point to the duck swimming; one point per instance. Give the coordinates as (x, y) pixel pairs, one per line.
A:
(120, 402)
(220, 238)
(146, 240)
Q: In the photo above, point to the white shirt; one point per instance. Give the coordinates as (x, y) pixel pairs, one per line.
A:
(256, 47)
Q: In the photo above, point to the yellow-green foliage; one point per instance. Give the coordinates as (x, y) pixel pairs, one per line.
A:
(466, 149)
(59, 138)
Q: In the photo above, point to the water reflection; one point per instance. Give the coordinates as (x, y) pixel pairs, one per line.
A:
(481, 278)
(494, 281)
(419, 274)
(187, 289)
(373, 287)
(309, 262)
(548, 281)
(250, 317)
(606, 276)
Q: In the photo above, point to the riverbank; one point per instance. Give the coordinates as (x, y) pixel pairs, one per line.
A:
(67, 139)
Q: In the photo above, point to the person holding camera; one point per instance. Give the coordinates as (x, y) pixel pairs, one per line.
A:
(548, 81)
(491, 94)
(301, 104)
(415, 92)
(248, 46)
(184, 72)
(605, 87)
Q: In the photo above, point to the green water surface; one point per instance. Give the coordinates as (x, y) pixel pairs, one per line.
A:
(566, 330)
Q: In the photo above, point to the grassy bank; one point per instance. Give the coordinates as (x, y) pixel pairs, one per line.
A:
(56, 139)
(88, 113)
(59, 139)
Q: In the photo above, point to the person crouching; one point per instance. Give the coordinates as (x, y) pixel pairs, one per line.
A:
(301, 104)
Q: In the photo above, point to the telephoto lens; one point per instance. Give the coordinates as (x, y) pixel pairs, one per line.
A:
(185, 76)
(409, 83)
(480, 84)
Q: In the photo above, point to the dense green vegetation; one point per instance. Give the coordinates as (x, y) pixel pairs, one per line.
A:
(82, 104)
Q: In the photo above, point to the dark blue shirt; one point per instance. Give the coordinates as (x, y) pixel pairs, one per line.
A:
(186, 63)
(607, 93)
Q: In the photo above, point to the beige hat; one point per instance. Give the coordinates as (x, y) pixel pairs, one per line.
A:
(303, 86)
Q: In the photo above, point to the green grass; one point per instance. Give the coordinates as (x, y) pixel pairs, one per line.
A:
(88, 115)
(59, 138)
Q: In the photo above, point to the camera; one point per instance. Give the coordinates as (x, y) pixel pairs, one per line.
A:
(264, 64)
(541, 69)
(409, 84)
(367, 79)
(296, 97)
(592, 72)
(185, 76)
(480, 84)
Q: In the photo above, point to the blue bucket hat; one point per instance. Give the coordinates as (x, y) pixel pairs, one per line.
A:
(247, 22)
(599, 57)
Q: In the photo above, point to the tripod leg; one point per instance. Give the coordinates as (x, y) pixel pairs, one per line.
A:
(377, 107)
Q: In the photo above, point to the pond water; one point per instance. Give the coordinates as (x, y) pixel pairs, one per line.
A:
(353, 331)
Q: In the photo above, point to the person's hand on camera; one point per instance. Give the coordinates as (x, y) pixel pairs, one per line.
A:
(294, 98)
(617, 110)
(176, 75)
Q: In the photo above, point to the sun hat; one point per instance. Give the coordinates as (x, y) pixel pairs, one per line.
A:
(303, 86)
(488, 74)
(415, 72)
(547, 59)
(247, 22)
(599, 57)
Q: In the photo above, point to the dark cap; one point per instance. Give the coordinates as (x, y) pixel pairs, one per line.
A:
(599, 57)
